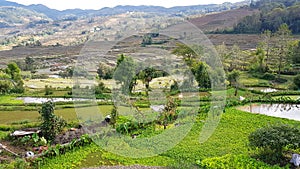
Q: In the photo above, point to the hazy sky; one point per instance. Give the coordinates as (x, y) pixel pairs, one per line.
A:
(97, 4)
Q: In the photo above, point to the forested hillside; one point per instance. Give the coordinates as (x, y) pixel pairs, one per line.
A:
(272, 14)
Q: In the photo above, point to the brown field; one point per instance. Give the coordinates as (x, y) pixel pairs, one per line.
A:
(221, 20)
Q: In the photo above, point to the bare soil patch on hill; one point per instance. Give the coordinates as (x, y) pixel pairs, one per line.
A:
(222, 20)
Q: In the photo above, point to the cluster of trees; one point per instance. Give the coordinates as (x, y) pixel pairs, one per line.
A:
(67, 73)
(198, 68)
(11, 80)
(28, 64)
(105, 72)
(126, 75)
(272, 14)
(277, 53)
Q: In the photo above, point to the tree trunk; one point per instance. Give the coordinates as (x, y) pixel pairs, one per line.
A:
(267, 59)
(280, 63)
(236, 91)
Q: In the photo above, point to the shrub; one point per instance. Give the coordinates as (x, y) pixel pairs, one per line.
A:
(297, 81)
(280, 80)
(48, 90)
(174, 87)
(273, 139)
(268, 76)
(100, 88)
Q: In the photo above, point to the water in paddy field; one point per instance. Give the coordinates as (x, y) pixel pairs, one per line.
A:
(263, 89)
(288, 111)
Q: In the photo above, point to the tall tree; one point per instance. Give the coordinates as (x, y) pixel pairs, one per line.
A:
(104, 71)
(29, 61)
(14, 72)
(125, 72)
(51, 124)
(283, 38)
(234, 57)
(260, 55)
(198, 68)
(296, 54)
(146, 76)
(266, 46)
(186, 52)
(223, 52)
(233, 78)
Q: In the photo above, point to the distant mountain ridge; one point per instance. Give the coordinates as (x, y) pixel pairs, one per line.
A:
(186, 10)
(8, 3)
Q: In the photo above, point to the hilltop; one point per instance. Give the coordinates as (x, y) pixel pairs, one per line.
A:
(107, 11)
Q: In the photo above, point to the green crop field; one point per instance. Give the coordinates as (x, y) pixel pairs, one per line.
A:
(230, 138)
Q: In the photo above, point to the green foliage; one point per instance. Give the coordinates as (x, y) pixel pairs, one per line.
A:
(33, 140)
(174, 88)
(147, 40)
(129, 127)
(169, 115)
(92, 155)
(13, 71)
(268, 76)
(67, 73)
(114, 116)
(234, 58)
(297, 81)
(260, 55)
(100, 88)
(29, 61)
(66, 156)
(229, 138)
(199, 69)
(265, 76)
(272, 15)
(233, 77)
(105, 72)
(5, 86)
(79, 71)
(187, 52)
(51, 124)
(249, 24)
(274, 138)
(234, 162)
(125, 72)
(191, 56)
(296, 54)
(11, 80)
(48, 90)
(146, 76)
(16, 164)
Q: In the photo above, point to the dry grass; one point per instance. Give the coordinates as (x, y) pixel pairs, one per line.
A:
(221, 20)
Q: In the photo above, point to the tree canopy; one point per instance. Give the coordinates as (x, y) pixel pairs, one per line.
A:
(272, 14)
(11, 80)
